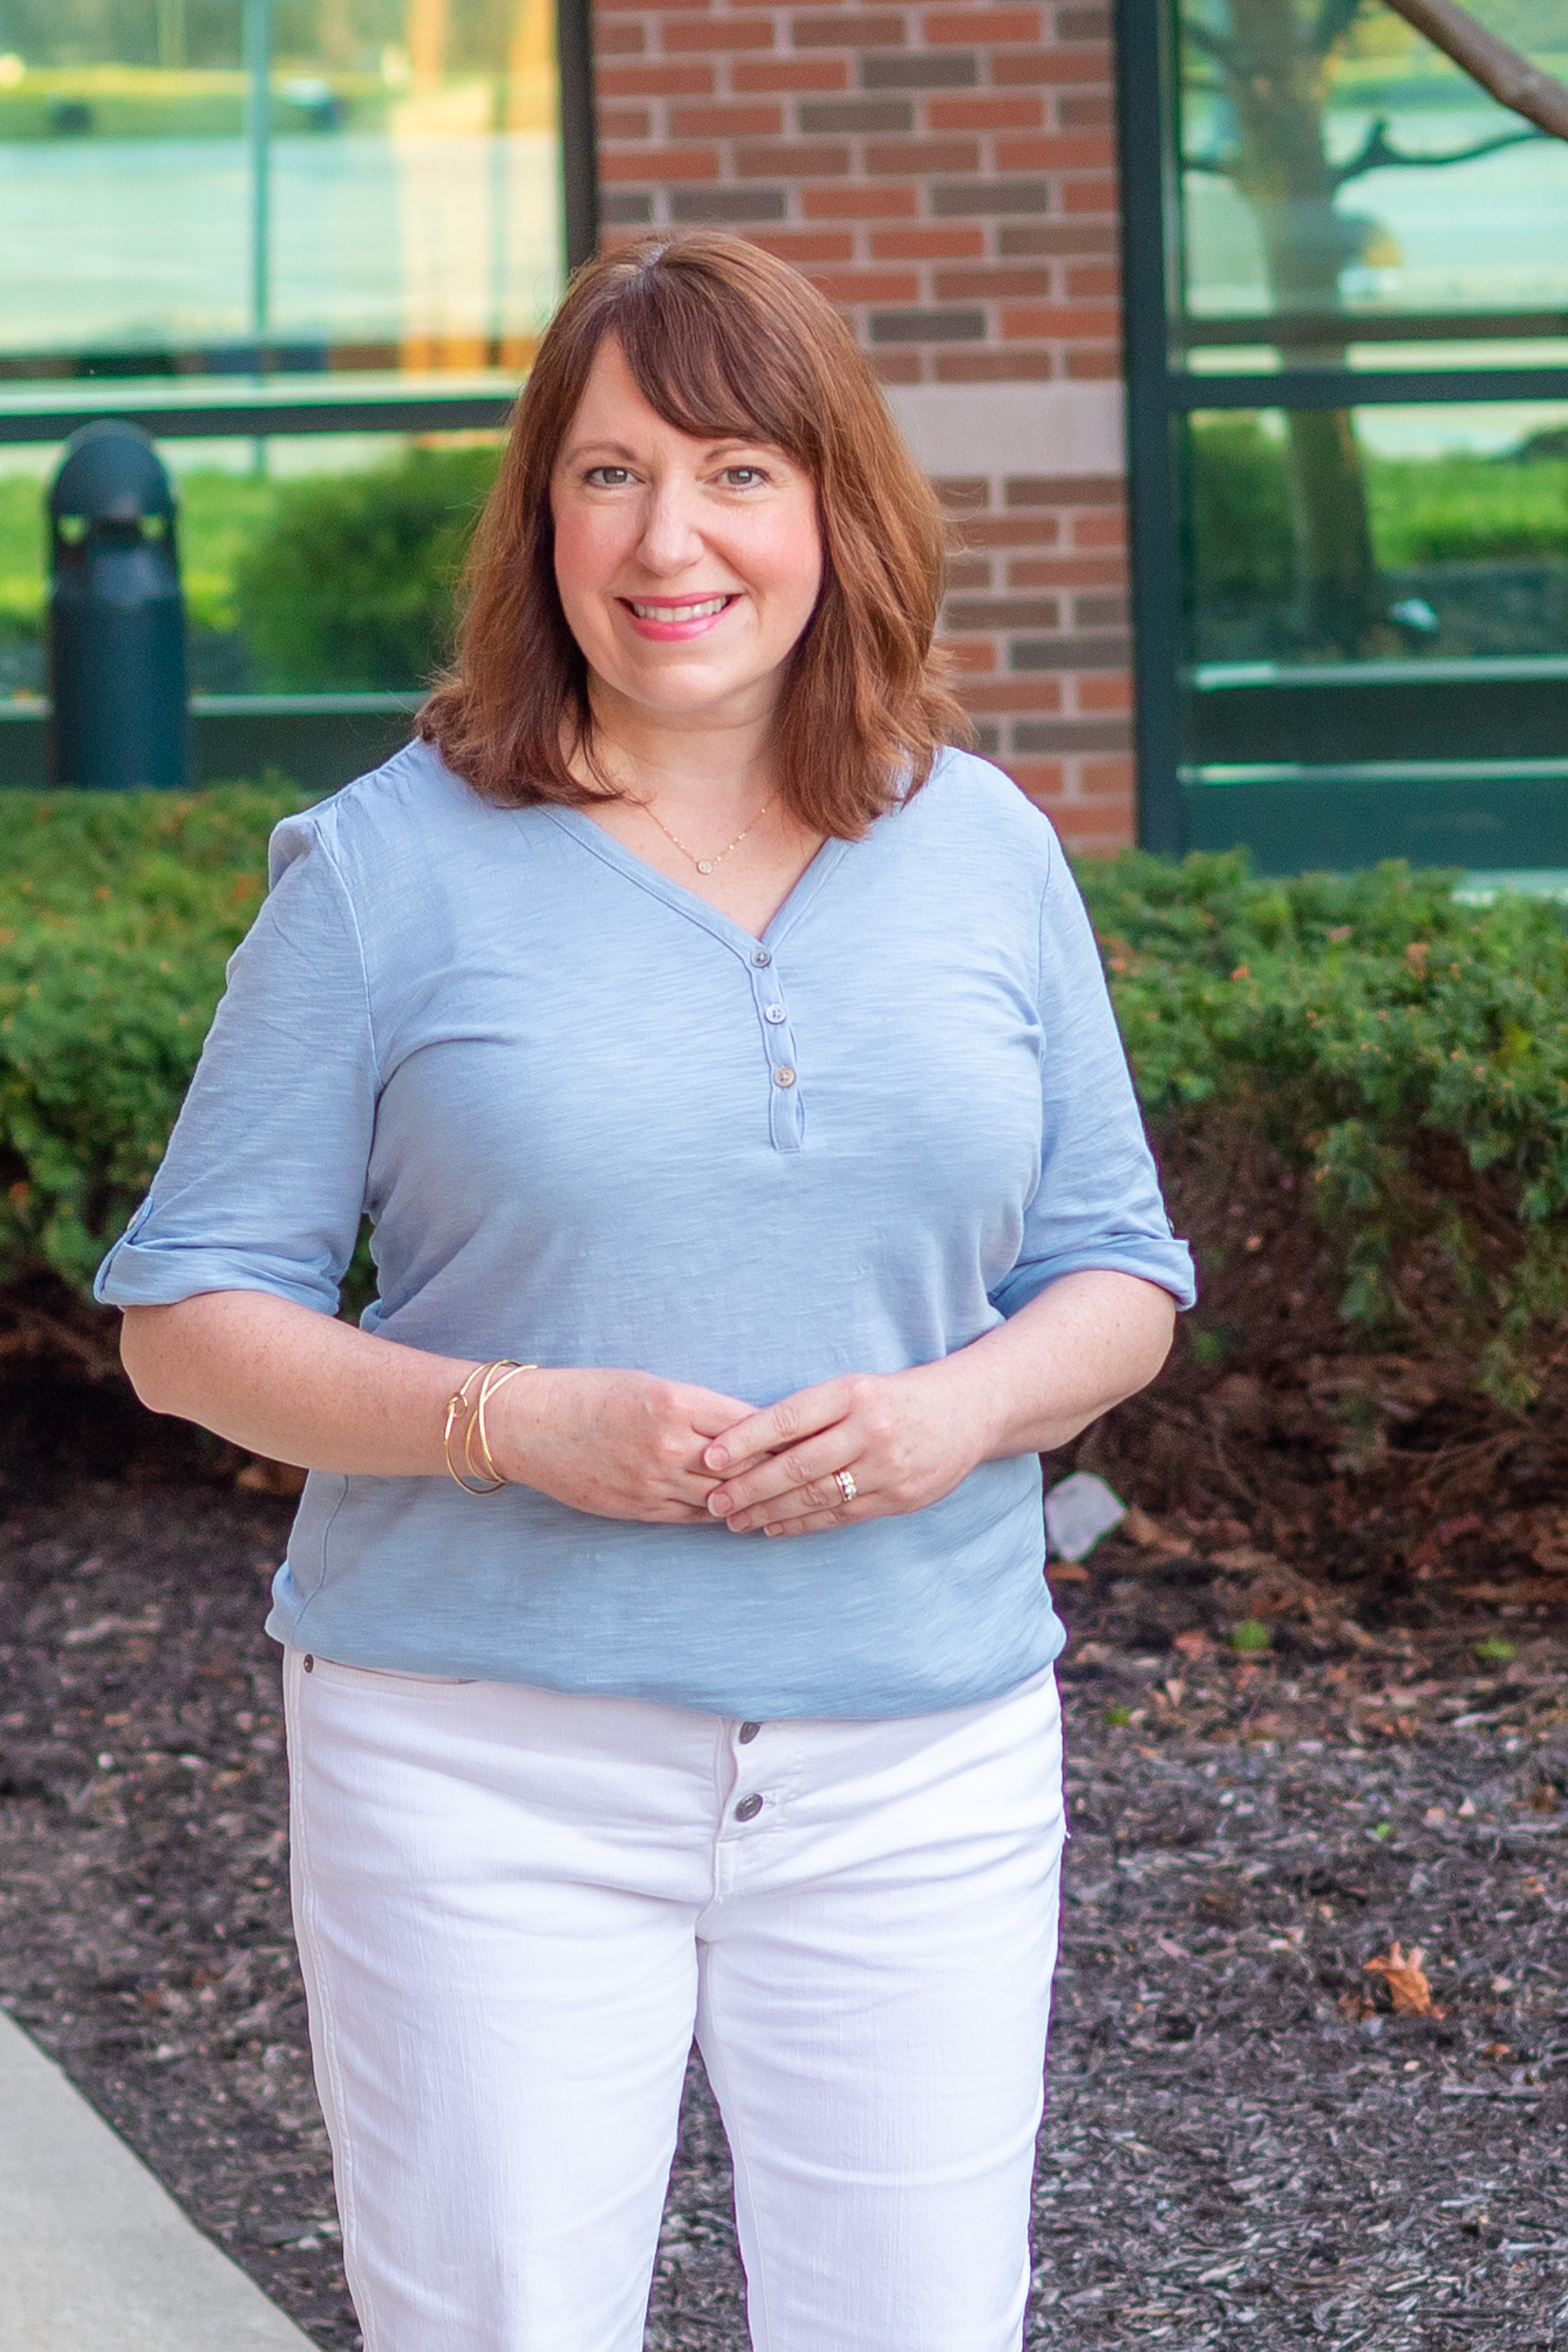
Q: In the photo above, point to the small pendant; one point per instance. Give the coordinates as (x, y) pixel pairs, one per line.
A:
(705, 865)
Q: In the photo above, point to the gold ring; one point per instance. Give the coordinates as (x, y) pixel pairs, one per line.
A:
(844, 1481)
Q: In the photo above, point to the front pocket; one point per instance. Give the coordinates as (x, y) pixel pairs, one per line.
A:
(380, 1677)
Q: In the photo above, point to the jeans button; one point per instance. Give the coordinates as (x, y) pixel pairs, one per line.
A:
(748, 1808)
(749, 1733)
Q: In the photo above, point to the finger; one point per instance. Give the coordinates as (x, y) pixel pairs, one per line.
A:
(785, 1423)
(711, 1414)
(810, 1465)
(813, 1500)
(818, 1523)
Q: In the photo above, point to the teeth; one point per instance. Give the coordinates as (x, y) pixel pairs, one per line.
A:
(681, 612)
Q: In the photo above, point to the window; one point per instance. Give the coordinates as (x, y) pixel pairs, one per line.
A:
(295, 240)
(273, 187)
(1348, 330)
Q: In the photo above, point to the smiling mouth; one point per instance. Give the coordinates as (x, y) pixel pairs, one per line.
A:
(699, 608)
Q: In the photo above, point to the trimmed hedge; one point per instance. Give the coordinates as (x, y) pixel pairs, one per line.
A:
(117, 915)
(1398, 1057)
(351, 581)
(1404, 1052)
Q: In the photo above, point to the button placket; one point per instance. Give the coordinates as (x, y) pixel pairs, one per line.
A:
(786, 1120)
(745, 1805)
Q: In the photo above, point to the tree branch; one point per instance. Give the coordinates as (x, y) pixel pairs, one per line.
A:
(1377, 152)
(1211, 43)
(1511, 79)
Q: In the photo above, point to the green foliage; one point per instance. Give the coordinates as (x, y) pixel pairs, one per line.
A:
(1461, 509)
(336, 579)
(1407, 1053)
(22, 555)
(1240, 512)
(1251, 1635)
(351, 581)
(220, 516)
(117, 915)
(1453, 508)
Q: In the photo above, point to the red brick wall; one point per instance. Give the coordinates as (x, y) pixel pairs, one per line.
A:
(947, 173)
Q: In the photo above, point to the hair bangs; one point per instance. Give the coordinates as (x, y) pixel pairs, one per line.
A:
(708, 371)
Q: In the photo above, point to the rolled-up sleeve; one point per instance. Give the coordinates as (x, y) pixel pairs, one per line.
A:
(1097, 1203)
(263, 1183)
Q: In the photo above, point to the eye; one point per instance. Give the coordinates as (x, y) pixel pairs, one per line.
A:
(744, 477)
(607, 477)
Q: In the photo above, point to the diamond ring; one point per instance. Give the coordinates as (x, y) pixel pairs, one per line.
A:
(844, 1481)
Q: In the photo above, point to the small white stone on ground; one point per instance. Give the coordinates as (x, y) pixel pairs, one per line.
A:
(1078, 1510)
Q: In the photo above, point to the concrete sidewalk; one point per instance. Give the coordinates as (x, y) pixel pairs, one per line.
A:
(94, 2255)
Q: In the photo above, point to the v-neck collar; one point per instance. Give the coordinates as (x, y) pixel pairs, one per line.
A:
(683, 901)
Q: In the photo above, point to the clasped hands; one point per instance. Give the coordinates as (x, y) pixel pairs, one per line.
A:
(625, 1445)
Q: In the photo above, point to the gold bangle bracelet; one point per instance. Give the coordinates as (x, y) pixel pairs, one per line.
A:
(481, 1477)
(496, 1377)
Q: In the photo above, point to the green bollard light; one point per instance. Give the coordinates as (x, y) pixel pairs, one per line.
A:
(117, 616)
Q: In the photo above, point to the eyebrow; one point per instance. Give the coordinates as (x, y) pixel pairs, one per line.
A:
(618, 454)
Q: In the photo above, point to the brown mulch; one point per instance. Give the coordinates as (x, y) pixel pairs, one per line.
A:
(1247, 2139)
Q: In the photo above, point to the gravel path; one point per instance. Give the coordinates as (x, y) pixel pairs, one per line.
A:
(1246, 2143)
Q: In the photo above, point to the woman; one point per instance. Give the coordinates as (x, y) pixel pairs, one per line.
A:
(757, 1189)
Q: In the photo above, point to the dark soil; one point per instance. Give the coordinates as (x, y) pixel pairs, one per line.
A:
(1245, 2141)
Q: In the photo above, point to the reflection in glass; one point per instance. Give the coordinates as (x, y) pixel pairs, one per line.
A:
(332, 570)
(1336, 164)
(1462, 663)
(1466, 522)
(413, 219)
(1341, 178)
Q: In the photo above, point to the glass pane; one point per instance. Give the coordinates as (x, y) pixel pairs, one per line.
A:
(392, 206)
(1336, 166)
(287, 587)
(1333, 558)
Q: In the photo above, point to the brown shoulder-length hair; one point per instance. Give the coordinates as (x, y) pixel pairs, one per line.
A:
(722, 340)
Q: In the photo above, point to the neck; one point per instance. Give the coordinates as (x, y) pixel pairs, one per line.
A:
(720, 763)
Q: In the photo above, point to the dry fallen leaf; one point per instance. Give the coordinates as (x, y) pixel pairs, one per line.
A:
(1151, 1536)
(1549, 1547)
(1521, 1589)
(1403, 1972)
(1356, 2006)
(1195, 1645)
(1066, 1572)
(1247, 1560)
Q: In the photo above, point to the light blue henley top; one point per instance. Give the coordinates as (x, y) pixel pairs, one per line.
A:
(595, 1122)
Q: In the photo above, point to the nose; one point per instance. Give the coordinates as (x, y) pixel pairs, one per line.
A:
(671, 541)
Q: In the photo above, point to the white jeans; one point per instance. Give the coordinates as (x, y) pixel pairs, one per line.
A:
(514, 1908)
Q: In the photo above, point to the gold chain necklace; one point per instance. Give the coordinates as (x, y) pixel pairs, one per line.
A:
(706, 865)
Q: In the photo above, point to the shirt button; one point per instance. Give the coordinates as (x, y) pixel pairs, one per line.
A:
(748, 1808)
(749, 1733)
(761, 956)
(775, 1013)
(783, 1076)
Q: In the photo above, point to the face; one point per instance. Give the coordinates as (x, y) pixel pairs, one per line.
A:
(687, 568)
